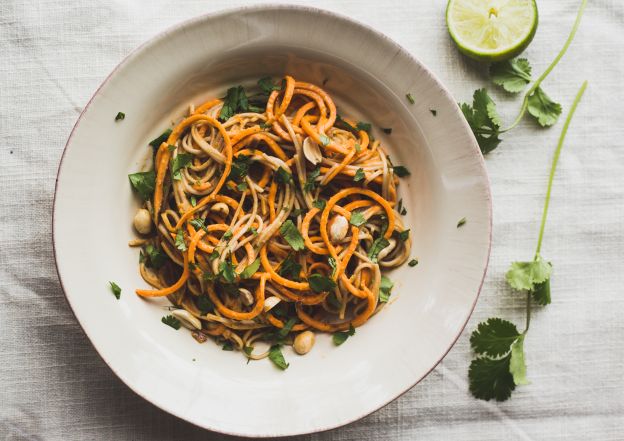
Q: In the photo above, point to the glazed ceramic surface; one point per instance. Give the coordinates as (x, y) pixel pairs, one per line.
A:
(368, 75)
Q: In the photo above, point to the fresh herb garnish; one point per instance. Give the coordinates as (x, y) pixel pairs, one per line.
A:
(226, 271)
(333, 265)
(235, 101)
(434, 112)
(283, 332)
(282, 176)
(242, 186)
(193, 201)
(319, 203)
(378, 245)
(143, 183)
(319, 283)
(276, 356)
(410, 98)
(387, 130)
(291, 234)
(156, 258)
(250, 270)
(290, 268)
(120, 116)
(403, 235)
(400, 171)
(179, 240)
(115, 289)
(461, 222)
(162, 138)
(341, 336)
(413, 262)
(359, 175)
(311, 183)
(267, 86)
(181, 161)
(513, 76)
(198, 223)
(357, 219)
(227, 346)
(500, 365)
(240, 168)
(324, 139)
(364, 126)
(358, 147)
(227, 235)
(170, 320)
(385, 288)
(204, 304)
(171, 148)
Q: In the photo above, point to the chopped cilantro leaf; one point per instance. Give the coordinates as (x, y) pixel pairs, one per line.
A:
(120, 116)
(341, 336)
(291, 234)
(170, 320)
(276, 356)
(359, 175)
(319, 283)
(178, 163)
(143, 183)
(115, 289)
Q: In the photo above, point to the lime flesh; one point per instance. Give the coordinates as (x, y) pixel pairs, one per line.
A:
(492, 30)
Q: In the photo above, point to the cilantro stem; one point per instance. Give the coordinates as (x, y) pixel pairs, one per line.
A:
(528, 313)
(553, 167)
(542, 77)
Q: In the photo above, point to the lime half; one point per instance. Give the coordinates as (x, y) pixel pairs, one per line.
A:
(492, 30)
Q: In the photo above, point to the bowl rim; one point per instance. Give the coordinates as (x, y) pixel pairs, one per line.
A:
(163, 35)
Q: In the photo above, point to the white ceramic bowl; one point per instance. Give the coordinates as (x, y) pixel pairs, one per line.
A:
(368, 75)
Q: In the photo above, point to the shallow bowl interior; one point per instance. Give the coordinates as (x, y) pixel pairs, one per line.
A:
(368, 76)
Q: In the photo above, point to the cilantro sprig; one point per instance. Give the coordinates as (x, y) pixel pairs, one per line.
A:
(514, 76)
(500, 365)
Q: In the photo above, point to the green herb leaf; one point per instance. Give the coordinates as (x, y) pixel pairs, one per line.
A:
(287, 328)
(545, 110)
(198, 223)
(378, 245)
(227, 235)
(311, 183)
(541, 293)
(276, 356)
(228, 346)
(461, 222)
(179, 162)
(358, 147)
(267, 86)
(143, 184)
(525, 275)
(433, 112)
(204, 304)
(494, 337)
(179, 240)
(413, 262)
(410, 98)
(193, 201)
(324, 139)
(483, 120)
(359, 175)
(242, 186)
(403, 235)
(385, 288)
(156, 258)
(248, 350)
(235, 101)
(341, 336)
(291, 234)
(120, 116)
(319, 203)
(364, 126)
(250, 270)
(171, 148)
(342, 124)
(282, 176)
(400, 171)
(517, 366)
(170, 320)
(240, 168)
(357, 219)
(490, 378)
(511, 75)
(162, 138)
(333, 265)
(212, 256)
(290, 268)
(226, 271)
(319, 283)
(116, 290)
(386, 130)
